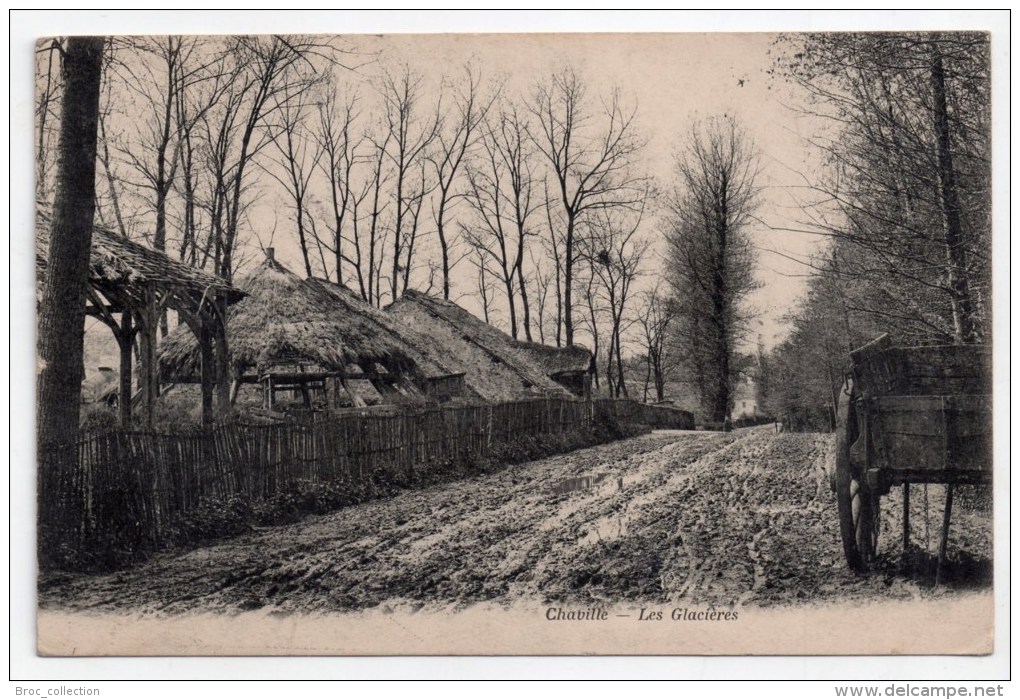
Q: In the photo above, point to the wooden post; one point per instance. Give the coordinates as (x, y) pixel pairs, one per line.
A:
(149, 378)
(205, 345)
(222, 359)
(125, 339)
(944, 543)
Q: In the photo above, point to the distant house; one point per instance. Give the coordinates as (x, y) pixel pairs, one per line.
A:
(496, 367)
(302, 339)
(745, 398)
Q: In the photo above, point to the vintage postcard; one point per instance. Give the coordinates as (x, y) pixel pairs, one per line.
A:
(514, 344)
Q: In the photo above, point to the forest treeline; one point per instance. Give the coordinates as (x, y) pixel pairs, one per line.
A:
(904, 200)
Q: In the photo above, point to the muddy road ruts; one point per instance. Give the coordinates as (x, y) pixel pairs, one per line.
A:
(731, 520)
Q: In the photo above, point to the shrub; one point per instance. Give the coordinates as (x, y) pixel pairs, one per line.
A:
(98, 417)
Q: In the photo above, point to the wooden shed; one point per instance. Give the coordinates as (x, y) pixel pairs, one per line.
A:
(130, 285)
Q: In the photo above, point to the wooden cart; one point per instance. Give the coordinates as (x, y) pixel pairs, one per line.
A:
(908, 415)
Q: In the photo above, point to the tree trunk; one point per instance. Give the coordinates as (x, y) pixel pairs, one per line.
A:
(568, 283)
(444, 247)
(648, 377)
(525, 307)
(303, 240)
(621, 385)
(508, 284)
(956, 255)
(62, 310)
(660, 382)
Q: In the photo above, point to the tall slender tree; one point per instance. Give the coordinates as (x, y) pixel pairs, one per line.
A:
(711, 259)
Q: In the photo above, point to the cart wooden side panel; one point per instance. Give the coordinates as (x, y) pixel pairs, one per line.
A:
(941, 370)
(931, 433)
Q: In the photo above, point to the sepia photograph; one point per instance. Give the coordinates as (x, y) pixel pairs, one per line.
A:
(514, 343)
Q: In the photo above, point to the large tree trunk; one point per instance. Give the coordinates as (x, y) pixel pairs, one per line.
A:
(62, 310)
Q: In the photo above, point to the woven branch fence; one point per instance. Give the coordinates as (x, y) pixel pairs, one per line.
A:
(134, 485)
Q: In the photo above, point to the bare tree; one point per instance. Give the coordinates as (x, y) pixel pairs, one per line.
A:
(711, 260)
(593, 167)
(299, 156)
(615, 253)
(368, 233)
(407, 136)
(553, 244)
(454, 139)
(159, 71)
(192, 102)
(47, 104)
(265, 73)
(501, 195)
(340, 145)
(909, 175)
(480, 259)
(542, 283)
(656, 315)
(103, 153)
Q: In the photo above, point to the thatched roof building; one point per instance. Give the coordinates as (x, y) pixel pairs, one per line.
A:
(414, 344)
(294, 331)
(497, 367)
(569, 366)
(129, 286)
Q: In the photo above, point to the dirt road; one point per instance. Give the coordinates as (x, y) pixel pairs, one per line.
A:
(735, 519)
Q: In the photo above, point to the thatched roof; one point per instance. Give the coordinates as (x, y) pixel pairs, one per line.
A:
(555, 361)
(416, 346)
(496, 367)
(116, 262)
(286, 320)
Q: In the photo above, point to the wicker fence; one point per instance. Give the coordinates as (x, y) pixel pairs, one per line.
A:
(134, 486)
(654, 416)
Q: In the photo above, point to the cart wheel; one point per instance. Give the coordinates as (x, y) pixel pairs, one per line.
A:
(857, 504)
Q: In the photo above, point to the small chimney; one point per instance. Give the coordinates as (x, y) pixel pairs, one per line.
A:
(270, 254)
